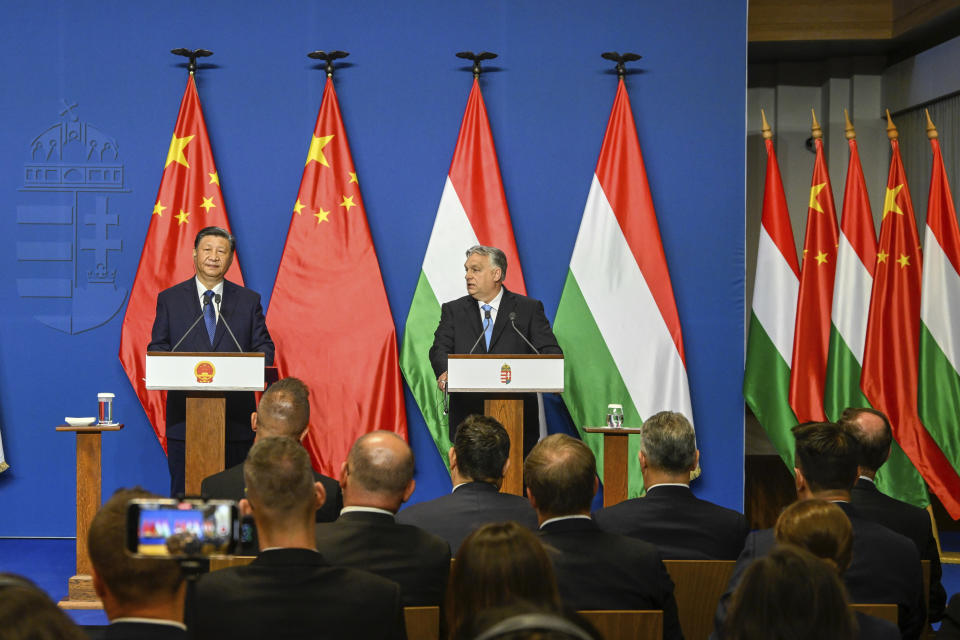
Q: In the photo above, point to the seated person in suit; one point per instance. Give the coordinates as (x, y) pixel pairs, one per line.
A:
(950, 627)
(290, 590)
(26, 611)
(478, 461)
(873, 431)
(284, 411)
(670, 517)
(823, 529)
(142, 597)
(595, 569)
(377, 477)
(885, 568)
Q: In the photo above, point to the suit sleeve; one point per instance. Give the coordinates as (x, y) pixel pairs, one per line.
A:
(160, 335)
(260, 339)
(443, 340)
(541, 335)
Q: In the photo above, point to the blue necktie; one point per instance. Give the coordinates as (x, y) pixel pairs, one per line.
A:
(487, 324)
(210, 315)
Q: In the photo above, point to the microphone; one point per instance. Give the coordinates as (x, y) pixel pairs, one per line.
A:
(487, 318)
(203, 307)
(513, 316)
(217, 298)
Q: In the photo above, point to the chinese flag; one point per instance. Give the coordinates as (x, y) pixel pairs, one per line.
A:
(328, 314)
(890, 359)
(188, 200)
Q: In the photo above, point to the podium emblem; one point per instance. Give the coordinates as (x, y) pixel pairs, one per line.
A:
(506, 375)
(204, 371)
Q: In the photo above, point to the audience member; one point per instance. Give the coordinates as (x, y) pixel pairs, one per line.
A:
(142, 597)
(27, 613)
(289, 590)
(478, 461)
(498, 564)
(885, 567)
(377, 478)
(950, 626)
(595, 569)
(876, 438)
(790, 594)
(670, 517)
(522, 621)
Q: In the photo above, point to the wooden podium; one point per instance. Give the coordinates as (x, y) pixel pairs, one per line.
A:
(615, 463)
(501, 377)
(206, 377)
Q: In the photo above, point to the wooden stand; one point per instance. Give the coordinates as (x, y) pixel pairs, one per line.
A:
(508, 410)
(615, 464)
(80, 593)
(205, 448)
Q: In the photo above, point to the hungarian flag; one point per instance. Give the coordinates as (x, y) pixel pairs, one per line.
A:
(856, 260)
(811, 337)
(939, 380)
(890, 369)
(766, 378)
(473, 210)
(617, 320)
(188, 200)
(328, 315)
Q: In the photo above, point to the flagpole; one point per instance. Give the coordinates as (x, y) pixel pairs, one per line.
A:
(328, 58)
(192, 54)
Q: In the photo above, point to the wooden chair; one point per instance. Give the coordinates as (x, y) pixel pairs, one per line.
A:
(626, 625)
(423, 623)
(698, 585)
(222, 562)
(886, 612)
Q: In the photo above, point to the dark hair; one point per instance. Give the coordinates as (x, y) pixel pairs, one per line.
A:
(524, 621)
(560, 472)
(214, 231)
(827, 454)
(130, 580)
(279, 479)
(820, 527)
(27, 613)
(498, 259)
(874, 445)
(790, 594)
(284, 409)
(668, 442)
(499, 564)
(379, 469)
(482, 446)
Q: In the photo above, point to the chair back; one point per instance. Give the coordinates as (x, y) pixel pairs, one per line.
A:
(698, 585)
(423, 623)
(886, 612)
(626, 625)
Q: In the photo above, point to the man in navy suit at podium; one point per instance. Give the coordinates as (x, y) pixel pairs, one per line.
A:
(230, 320)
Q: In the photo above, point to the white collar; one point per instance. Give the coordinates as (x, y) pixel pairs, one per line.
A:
(669, 484)
(870, 480)
(169, 623)
(201, 288)
(578, 516)
(366, 510)
(494, 304)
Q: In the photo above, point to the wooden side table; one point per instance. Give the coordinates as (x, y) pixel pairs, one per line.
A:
(615, 464)
(80, 593)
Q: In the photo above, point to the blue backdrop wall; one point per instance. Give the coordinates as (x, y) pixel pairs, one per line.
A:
(102, 70)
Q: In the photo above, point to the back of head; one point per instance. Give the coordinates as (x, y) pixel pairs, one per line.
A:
(668, 442)
(522, 621)
(131, 581)
(381, 463)
(284, 409)
(790, 594)
(27, 613)
(873, 433)
(560, 472)
(820, 527)
(499, 564)
(482, 446)
(828, 454)
(279, 479)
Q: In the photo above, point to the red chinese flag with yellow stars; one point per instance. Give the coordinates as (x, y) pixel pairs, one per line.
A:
(188, 200)
(811, 334)
(890, 360)
(328, 315)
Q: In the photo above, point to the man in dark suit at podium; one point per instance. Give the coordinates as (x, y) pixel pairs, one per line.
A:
(490, 319)
(231, 320)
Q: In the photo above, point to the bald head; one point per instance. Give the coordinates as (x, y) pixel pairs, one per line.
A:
(874, 435)
(284, 410)
(378, 472)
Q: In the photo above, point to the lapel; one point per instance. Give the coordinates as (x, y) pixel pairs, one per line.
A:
(476, 324)
(228, 303)
(198, 340)
(508, 303)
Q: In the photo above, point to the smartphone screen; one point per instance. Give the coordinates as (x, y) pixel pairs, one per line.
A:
(182, 528)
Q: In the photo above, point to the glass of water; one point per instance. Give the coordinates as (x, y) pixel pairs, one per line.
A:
(615, 416)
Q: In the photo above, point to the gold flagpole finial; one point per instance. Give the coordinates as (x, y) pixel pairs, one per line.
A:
(891, 128)
(815, 129)
(931, 130)
(767, 133)
(848, 129)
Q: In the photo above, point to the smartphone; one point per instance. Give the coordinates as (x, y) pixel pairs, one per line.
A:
(168, 528)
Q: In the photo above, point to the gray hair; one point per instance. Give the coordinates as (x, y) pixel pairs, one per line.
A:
(498, 259)
(379, 469)
(668, 442)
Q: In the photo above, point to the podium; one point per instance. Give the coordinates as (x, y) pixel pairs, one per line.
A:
(615, 462)
(206, 377)
(502, 377)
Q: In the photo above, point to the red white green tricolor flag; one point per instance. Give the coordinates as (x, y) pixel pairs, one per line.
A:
(617, 320)
(766, 379)
(473, 210)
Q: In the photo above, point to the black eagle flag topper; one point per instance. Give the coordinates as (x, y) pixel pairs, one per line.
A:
(328, 58)
(192, 54)
(620, 59)
(477, 58)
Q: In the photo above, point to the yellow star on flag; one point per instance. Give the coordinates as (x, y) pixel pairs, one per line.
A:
(158, 208)
(214, 178)
(814, 192)
(890, 201)
(182, 217)
(821, 257)
(903, 261)
(298, 207)
(322, 215)
(175, 153)
(347, 202)
(881, 256)
(208, 204)
(316, 150)
(353, 176)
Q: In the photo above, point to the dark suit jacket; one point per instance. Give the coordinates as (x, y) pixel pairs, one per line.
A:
(453, 517)
(872, 628)
(416, 560)
(907, 520)
(885, 569)
(177, 308)
(294, 593)
(139, 631)
(678, 523)
(600, 570)
(950, 627)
